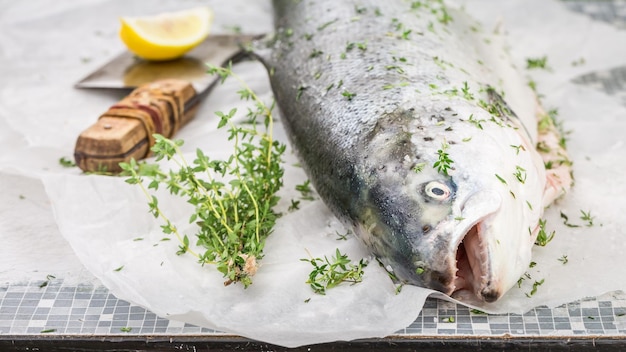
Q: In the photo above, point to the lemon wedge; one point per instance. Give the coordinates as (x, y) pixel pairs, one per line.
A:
(166, 36)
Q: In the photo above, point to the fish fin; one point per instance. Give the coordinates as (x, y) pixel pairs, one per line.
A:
(499, 105)
(551, 146)
(503, 110)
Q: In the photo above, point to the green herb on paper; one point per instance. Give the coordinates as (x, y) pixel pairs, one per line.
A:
(586, 216)
(536, 285)
(543, 237)
(305, 189)
(327, 273)
(537, 63)
(233, 199)
(47, 282)
(65, 162)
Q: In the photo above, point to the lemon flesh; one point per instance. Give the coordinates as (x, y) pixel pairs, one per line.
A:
(166, 36)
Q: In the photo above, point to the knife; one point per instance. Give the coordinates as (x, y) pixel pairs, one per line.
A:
(164, 97)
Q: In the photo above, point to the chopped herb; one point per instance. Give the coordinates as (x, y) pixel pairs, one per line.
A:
(348, 95)
(543, 147)
(543, 238)
(419, 167)
(466, 93)
(65, 162)
(563, 259)
(394, 67)
(537, 63)
(501, 179)
(444, 163)
(306, 192)
(126, 329)
(566, 220)
(586, 216)
(47, 331)
(299, 92)
(530, 206)
(536, 285)
(323, 26)
(343, 237)
(518, 148)
(449, 319)
(47, 282)
(477, 123)
(548, 164)
(476, 311)
(307, 300)
(327, 273)
(405, 34)
(466, 139)
(316, 53)
(532, 265)
(520, 174)
(119, 268)
(295, 205)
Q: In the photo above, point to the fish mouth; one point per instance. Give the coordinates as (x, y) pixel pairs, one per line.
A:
(473, 271)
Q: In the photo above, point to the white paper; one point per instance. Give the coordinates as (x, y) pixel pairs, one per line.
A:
(45, 49)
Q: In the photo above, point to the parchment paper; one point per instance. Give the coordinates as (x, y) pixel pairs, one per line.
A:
(45, 49)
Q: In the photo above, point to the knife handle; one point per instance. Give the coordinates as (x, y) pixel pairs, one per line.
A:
(126, 129)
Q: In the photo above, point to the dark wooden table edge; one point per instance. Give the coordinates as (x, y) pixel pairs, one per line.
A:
(60, 342)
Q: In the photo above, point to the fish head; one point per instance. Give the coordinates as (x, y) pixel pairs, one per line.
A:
(468, 231)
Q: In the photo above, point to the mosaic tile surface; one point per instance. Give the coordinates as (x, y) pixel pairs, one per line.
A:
(32, 308)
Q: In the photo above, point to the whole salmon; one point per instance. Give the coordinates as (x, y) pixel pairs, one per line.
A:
(417, 131)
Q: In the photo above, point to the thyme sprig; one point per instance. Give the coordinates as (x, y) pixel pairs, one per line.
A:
(327, 274)
(543, 237)
(233, 199)
(443, 163)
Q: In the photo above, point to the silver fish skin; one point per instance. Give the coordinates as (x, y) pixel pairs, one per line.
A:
(373, 96)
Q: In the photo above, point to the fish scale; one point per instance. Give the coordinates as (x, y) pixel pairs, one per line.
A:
(373, 97)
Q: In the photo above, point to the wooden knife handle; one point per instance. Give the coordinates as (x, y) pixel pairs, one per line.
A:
(125, 130)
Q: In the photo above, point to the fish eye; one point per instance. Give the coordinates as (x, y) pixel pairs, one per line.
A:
(437, 190)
